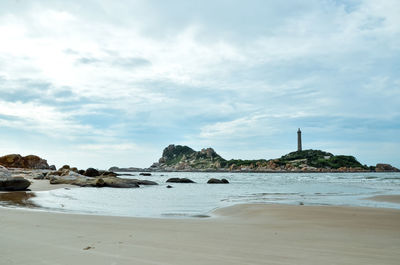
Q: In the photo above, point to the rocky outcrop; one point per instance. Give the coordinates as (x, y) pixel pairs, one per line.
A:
(180, 180)
(385, 168)
(129, 169)
(217, 181)
(9, 183)
(184, 158)
(18, 161)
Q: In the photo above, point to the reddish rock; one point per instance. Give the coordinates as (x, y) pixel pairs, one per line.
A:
(18, 161)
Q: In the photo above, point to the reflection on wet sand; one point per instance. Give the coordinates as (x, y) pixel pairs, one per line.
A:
(18, 198)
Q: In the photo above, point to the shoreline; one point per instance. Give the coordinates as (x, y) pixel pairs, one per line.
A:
(240, 234)
(21, 199)
(246, 171)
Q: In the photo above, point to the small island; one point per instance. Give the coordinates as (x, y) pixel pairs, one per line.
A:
(183, 158)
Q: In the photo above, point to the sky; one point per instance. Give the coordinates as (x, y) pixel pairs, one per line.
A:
(101, 83)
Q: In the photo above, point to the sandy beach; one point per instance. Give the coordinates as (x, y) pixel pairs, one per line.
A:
(241, 234)
(43, 185)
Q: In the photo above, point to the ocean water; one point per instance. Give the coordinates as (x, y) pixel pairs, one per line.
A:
(200, 199)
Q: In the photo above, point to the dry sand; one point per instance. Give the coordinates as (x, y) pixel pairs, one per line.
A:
(43, 185)
(242, 234)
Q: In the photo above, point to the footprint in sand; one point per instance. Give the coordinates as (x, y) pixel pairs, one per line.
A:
(88, 247)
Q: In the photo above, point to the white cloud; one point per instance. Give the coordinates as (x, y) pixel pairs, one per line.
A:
(131, 66)
(44, 119)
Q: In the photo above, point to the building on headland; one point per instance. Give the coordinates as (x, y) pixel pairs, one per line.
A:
(299, 147)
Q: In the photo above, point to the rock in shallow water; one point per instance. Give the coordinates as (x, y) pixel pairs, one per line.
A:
(217, 181)
(180, 180)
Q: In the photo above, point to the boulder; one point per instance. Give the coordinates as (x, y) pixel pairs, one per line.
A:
(115, 182)
(18, 161)
(180, 180)
(91, 172)
(145, 182)
(145, 174)
(52, 167)
(217, 181)
(38, 175)
(13, 184)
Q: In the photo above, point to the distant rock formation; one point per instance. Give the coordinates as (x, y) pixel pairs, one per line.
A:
(386, 168)
(184, 158)
(18, 161)
(129, 169)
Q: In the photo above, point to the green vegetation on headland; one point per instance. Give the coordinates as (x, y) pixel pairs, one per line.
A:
(321, 159)
(184, 158)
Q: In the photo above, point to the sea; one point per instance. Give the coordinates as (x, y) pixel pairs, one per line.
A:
(199, 199)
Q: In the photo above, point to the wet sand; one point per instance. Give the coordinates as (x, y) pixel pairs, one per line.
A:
(22, 198)
(241, 234)
(386, 198)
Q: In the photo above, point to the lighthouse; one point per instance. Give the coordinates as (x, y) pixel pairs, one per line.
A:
(299, 148)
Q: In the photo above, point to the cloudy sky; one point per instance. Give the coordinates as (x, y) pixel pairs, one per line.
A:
(103, 83)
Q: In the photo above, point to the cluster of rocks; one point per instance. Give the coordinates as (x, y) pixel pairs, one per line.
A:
(93, 178)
